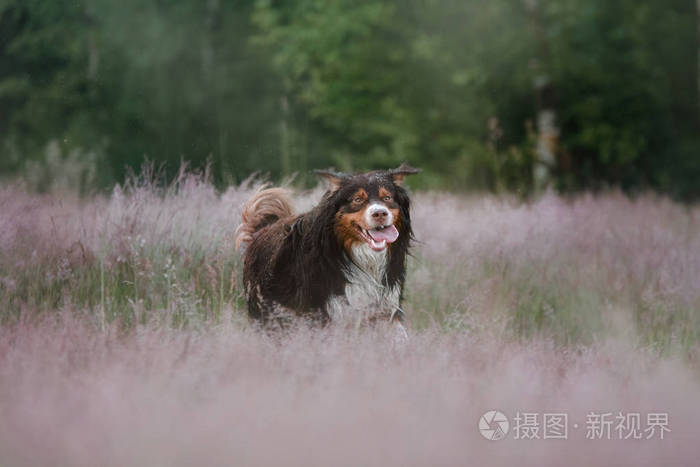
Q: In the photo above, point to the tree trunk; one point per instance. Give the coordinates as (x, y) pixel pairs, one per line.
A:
(697, 17)
(285, 138)
(546, 105)
(92, 44)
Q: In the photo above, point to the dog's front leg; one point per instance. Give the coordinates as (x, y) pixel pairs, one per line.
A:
(396, 322)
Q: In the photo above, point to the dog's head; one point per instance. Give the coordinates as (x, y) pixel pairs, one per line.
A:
(370, 208)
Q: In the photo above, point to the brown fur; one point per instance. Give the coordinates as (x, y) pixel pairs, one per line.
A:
(265, 207)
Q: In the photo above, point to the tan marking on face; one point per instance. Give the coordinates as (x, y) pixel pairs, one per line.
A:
(346, 223)
(397, 218)
(395, 211)
(360, 194)
(384, 193)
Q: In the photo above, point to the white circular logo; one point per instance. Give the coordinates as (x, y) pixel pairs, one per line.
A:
(493, 425)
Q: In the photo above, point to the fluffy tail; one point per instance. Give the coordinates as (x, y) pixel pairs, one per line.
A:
(265, 207)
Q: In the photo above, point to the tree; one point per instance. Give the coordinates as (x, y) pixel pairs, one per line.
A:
(476, 93)
(165, 80)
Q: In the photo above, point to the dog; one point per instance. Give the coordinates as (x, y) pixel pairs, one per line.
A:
(343, 261)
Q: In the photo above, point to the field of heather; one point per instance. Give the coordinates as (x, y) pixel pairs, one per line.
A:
(124, 339)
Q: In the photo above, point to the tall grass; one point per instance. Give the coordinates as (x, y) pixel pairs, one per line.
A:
(124, 339)
(144, 252)
(222, 395)
(573, 270)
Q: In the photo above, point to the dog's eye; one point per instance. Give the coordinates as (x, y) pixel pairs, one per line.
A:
(358, 200)
(386, 198)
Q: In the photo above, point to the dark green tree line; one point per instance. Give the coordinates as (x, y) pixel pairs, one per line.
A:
(479, 94)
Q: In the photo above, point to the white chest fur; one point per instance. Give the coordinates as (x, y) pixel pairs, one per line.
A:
(365, 294)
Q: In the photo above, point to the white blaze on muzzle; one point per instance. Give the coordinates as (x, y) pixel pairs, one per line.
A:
(376, 208)
(382, 231)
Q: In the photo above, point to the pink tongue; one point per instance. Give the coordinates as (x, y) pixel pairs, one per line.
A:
(389, 234)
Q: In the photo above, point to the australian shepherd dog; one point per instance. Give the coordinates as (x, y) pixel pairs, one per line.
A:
(343, 261)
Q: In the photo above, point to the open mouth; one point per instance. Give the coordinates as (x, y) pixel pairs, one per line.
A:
(379, 237)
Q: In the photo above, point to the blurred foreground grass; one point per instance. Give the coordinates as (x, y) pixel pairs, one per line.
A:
(573, 271)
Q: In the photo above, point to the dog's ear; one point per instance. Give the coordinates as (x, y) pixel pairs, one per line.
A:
(398, 174)
(333, 178)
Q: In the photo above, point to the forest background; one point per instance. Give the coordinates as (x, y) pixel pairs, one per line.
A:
(501, 96)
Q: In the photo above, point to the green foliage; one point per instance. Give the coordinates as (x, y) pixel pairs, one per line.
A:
(388, 83)
(132, 80)
(626, 81)
(451, 86)
(279, 87)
